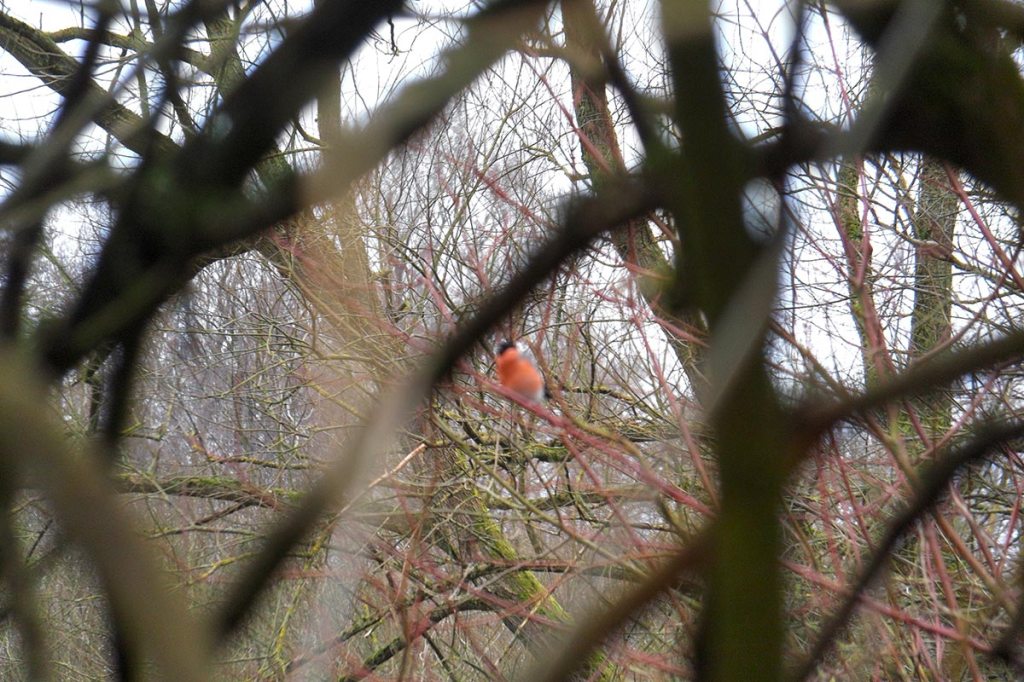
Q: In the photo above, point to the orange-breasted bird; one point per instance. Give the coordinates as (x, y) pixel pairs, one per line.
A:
(517, 373)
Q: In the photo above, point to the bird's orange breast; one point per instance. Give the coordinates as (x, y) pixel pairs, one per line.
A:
(518, 374)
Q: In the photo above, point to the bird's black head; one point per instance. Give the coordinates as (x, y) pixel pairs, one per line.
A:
(505, 345)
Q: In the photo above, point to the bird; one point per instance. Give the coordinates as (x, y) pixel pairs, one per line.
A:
(517, 373)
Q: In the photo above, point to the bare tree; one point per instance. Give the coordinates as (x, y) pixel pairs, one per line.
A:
(257, 257)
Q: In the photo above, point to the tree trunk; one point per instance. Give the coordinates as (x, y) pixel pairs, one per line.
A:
(637, 244)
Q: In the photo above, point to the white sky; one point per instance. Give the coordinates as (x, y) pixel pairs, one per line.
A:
(755, 36)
